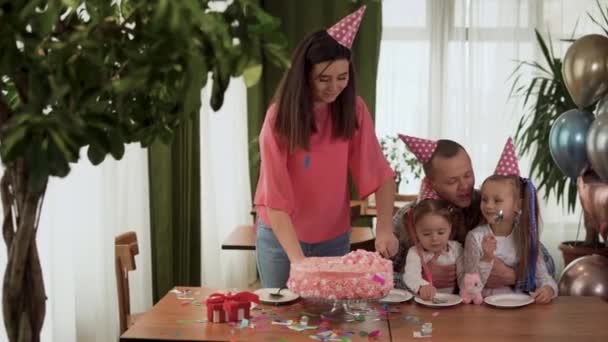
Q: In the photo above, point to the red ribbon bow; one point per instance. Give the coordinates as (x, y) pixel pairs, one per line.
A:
(230, 300)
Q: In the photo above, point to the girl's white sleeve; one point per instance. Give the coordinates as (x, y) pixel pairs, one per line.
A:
(412, 276)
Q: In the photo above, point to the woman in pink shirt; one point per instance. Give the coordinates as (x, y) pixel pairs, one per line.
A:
(315, 132)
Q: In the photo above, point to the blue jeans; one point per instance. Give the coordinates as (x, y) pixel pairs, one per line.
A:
(273, 263)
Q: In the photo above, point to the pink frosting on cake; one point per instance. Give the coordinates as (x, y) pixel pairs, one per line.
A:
(357, 275)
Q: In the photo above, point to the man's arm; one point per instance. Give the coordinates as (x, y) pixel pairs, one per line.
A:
(501, 275)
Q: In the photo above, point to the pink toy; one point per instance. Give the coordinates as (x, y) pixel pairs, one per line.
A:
(471, 290)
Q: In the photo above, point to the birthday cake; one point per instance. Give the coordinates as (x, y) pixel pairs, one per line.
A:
(357, 275)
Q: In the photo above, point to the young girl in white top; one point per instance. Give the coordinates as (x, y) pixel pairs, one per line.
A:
(510, 207)
(430, 222)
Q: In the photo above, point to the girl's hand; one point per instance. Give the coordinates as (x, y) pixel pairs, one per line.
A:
(543, 295)
(488, 245)
(427, 292)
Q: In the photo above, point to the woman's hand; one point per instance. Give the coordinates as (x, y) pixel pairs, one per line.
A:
(427, 292)
(386, 242)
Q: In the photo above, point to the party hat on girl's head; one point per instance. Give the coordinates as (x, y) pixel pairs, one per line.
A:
(507, 164)
(345, 30)
(422, 148)
(427, 191)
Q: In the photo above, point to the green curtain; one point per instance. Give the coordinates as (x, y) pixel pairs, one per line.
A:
(300, 18)
(175, 217)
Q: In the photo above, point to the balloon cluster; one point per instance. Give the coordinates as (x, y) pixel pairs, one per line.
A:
(578, 140)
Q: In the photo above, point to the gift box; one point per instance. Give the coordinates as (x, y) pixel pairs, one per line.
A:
(216, 313)
(230, 307)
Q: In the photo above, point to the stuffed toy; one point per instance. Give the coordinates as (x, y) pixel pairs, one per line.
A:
(471, 290)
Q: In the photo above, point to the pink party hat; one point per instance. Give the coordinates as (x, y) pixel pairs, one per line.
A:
(422, 148)
(345, 30)
(507, 164)
(427, 191)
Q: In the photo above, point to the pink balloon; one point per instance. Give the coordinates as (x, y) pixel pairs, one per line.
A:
(593, 194)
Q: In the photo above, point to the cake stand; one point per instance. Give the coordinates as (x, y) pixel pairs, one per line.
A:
(344, 310)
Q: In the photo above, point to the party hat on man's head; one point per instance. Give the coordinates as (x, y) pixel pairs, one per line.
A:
(345, 30)
(427, 191)
(422, 148)
(507, 164)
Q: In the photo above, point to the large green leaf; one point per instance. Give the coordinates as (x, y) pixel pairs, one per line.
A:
(545, 97)
(105, 73)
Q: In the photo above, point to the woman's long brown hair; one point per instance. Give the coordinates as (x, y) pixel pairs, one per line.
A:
(295, 117)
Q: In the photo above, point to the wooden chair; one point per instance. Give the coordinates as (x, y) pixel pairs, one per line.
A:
(125, 250)
(405, 198)
(360, 237)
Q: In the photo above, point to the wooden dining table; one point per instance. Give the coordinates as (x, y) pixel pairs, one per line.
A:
(566, 319)
(175, 319)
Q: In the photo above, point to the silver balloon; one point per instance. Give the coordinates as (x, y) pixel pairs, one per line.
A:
(568, 139)
(585, 69)
(597, 146)
(585, 276)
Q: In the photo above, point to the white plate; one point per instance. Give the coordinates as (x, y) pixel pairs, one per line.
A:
(509, 300)
(397, 296)
(265, 297)
(450, 300)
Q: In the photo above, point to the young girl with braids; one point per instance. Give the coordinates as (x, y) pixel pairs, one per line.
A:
(430, 222)
(510, 207)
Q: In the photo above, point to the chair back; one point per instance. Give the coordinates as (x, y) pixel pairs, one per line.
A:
(125, 250)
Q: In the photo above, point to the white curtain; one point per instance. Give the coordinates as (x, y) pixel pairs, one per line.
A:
(444, 73)
(225, 194)
(82, 214)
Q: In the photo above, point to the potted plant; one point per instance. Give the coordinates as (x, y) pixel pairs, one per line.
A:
(102, 74)
(400, 159)
(545, 99)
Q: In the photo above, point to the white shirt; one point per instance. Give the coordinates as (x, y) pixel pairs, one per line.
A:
(505, 251)
(413, 266)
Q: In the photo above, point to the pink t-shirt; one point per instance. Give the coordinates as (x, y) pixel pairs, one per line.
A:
(312, 186)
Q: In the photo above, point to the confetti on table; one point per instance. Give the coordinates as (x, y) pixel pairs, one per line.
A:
(298, 327)
(285, 322)
(260, 318)
(412, 319)
(244, 324)
(418, 334)
(436, 313)
(192, 321)
(374, 333)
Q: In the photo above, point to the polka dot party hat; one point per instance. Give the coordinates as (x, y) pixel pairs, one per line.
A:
(345, 30)
(422, 148)
(507, 164)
